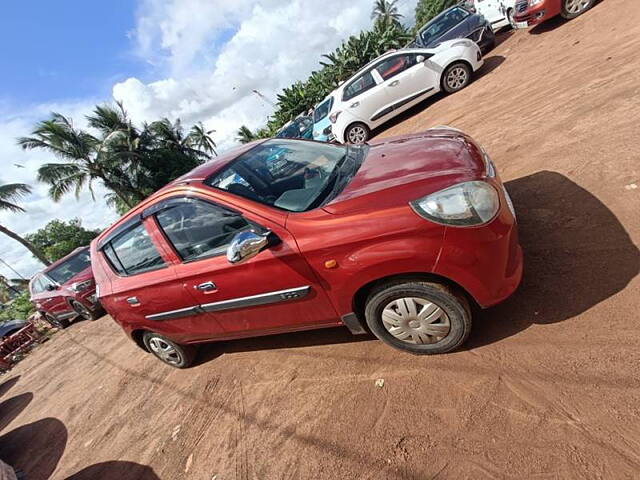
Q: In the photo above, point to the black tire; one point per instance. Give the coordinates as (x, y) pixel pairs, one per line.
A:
(351, 132)
(452, 80)
(453, 304)
(83, 311)
(56, 323)
(184, 354)
(568, 15)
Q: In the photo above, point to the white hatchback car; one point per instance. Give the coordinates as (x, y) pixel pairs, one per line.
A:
(396, 81)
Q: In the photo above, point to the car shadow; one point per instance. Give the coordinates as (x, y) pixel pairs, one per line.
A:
(115, 470)
(35, 448)
(8, 384)
(504, 34)
(490, 64)
(576, 255)
(11, 408)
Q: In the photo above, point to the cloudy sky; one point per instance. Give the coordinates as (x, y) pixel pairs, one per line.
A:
(197, 60)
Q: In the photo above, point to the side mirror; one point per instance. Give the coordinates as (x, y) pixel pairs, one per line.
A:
(246, 245)
(420, 58)
(50, 287)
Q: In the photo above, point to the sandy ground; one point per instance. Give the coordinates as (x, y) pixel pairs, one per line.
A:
(547, 387)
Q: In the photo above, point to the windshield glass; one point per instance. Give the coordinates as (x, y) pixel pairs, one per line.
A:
(70, 267)
(442, 24)
(296, 129)
(291, 175)
(322, 110)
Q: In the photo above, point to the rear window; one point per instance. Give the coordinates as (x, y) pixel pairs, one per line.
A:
(70, 267)
(132, 252)
(322, 110)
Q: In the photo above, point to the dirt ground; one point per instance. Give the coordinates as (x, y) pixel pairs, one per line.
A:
(548, 385)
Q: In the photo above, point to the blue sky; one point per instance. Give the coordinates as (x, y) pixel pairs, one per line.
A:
(69, 49)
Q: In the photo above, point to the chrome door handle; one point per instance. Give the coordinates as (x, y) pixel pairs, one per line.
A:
(394, 83)
(133, 301)
(206, 286)
(354, 105)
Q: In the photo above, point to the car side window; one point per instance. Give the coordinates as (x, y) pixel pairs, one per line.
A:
(360, 84)
(394, 65)
(199, 229)
(133, 252)
(37, 286)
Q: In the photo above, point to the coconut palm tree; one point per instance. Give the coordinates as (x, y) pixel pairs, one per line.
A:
(245, 135)
(385, 12)
(9, 193)
(201, 140)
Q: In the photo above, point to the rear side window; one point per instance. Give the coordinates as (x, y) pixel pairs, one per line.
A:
(199, 229)
(392, 66)
(360, 84)
(132, 252)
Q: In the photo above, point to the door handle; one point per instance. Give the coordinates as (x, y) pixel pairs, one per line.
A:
(394, 83)
(354, 105)
(205, 287)
(133, 301)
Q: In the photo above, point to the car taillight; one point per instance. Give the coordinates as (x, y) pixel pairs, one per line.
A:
(334, 116)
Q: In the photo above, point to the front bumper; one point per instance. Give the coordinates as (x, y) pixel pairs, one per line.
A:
(486, 261)
(532, 15)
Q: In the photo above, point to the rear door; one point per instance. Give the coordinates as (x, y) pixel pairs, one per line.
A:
(274, 291)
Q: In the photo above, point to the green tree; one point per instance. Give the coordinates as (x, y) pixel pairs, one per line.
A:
(427, 9)
(386, 12)
(57, 238)
(19, 309)
(245, 135)
(9, 193)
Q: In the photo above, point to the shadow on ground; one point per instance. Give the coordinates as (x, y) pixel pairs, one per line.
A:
(576, 255)
(7, 384)
(11, 408)
(115, 470)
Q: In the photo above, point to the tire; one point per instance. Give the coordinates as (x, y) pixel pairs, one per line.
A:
(54, 322)
(357, 133)
(176, 355)
(574, 8)
(455, 77)
(83, 311)
(391, 318)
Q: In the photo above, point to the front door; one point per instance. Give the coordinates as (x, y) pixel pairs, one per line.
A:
(274, 291)
(363, 97)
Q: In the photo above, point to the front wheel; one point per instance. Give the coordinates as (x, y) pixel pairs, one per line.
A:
(55, 322)
(83, 311)
(512, 21)
(573, 8)
(419, 317)
(171, 353)
(456, 77)
(357, 133)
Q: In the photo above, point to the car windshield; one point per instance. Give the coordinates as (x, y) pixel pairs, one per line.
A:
(442, 24)
(70, 267)
(296, 129)
(322, 110)
(291, 175)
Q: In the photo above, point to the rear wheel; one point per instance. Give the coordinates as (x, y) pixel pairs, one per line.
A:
(357, 133)
(456, 77)
(419, 317)
(83, 311)
(169, 352)
(55, 322)
(573, 8)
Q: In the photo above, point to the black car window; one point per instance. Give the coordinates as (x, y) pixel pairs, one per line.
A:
(392, 66)
(442, 24)
(73, 265)
(360, 84)
(132, 252)
(198, 229)
(322, 110)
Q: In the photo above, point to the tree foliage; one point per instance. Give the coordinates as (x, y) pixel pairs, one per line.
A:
(130, 161)
(19, 309)
(57, 238)
(427, 9)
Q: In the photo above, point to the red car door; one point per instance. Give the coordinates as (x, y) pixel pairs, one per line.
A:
(145, 288)
(274, 291)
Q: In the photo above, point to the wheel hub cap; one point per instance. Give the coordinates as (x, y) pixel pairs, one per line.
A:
(357, 135)
(576, 6)
(164, 351)
(416, 320)
(457, 77)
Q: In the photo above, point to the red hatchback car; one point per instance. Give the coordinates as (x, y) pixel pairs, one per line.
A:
(286, 235)
(533, 12)
(66, 289)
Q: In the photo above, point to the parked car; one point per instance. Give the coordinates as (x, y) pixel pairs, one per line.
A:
(395, 82)
(321, 123)
(66, 290)
(499, 13)
(453, 23)
(12, 326)
(402, 236)
(301, 127)
(533, 12)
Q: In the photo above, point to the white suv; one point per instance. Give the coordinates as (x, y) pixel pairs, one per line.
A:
(396, 81)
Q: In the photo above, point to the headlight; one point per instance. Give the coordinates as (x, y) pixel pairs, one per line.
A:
(80, 286)
(334, 116)
(465, 204)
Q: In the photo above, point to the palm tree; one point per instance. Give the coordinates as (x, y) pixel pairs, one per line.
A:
(386, 12)
(82, 165)
(245, 135)
(9, 193)
(200, 139)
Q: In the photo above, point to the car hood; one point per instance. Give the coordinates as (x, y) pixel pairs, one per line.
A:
(397, 170)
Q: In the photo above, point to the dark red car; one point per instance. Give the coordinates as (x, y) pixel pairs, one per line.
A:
(66, 289)
(534, 12)
(285, 235)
